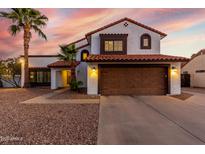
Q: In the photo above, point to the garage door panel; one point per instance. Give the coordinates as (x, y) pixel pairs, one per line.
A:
(133, 80)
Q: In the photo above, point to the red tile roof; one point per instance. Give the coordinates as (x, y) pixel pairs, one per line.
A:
(135, 58)
(130, 20)
(60, 64)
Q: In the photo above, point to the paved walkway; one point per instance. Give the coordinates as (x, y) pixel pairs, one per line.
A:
(149, 120)
(45, 99)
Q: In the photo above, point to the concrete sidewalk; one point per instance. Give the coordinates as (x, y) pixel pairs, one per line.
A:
(45, 99)
(128, 120)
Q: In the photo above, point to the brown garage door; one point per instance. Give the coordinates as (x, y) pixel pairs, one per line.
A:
(133, 80)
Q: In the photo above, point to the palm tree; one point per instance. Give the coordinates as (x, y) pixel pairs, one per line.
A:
(68, 53)
(26, 20)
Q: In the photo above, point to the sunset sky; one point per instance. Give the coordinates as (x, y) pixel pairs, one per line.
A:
(185, 29)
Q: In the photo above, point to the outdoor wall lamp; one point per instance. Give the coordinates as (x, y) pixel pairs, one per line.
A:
(174, 70)
(21, 60)
(94, 69)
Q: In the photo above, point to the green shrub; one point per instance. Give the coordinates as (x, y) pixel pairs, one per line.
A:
(74, 84)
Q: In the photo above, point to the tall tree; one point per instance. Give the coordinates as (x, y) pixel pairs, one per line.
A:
(68, 53)
(26, 20)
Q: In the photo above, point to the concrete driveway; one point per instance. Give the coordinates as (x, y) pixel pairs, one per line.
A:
(151, 120)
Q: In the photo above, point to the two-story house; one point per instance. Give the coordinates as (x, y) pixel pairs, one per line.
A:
(120, 58)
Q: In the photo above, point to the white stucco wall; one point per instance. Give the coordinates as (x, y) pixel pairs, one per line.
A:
(81, 69)
(59, 77)
(81, 43)
(133, 40)
(197, 63)
(54, 83)
(175, 78)
(92, 80)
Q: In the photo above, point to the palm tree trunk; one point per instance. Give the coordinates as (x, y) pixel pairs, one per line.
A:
(26, 48)
(73, 76)
(73, 73)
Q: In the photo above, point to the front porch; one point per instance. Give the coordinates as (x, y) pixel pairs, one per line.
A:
(60, 77)
(61, 73)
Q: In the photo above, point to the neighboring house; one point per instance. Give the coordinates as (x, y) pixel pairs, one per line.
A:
(196, 69)
(120, 58)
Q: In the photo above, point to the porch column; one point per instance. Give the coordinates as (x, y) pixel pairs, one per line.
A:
(54, 79)
(175, 83)
(92, 79)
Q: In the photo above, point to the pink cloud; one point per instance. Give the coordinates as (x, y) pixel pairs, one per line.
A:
(65, 26)
(177, 23)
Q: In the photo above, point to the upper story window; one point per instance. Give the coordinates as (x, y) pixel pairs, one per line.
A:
(145, 41)
(84, 55)
(113, 43)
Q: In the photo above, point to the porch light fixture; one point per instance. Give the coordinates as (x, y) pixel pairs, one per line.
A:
(21, 60)
(93, 72)
(94, 69)
(174, 70)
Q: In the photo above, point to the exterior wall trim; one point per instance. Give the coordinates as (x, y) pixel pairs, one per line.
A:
(149, 41)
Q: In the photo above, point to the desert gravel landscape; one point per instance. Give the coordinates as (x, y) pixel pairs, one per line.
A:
(45, 123)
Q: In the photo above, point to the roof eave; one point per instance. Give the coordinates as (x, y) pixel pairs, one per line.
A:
(136, 61)
(130, 20)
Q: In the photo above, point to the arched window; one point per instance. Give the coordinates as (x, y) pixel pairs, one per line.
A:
(145, 41)
(84, 55)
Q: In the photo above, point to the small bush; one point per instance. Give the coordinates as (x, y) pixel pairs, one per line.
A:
(74, 84)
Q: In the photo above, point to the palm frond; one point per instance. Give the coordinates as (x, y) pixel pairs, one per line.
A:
(14, 29)
(26, 17)
(19, 14)
(39, 31)
(13, 15)
(39, 22)
(66, 52)
(34, 12)
(17, 11)
(43, 17)
(63, 57)
(4, 14)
